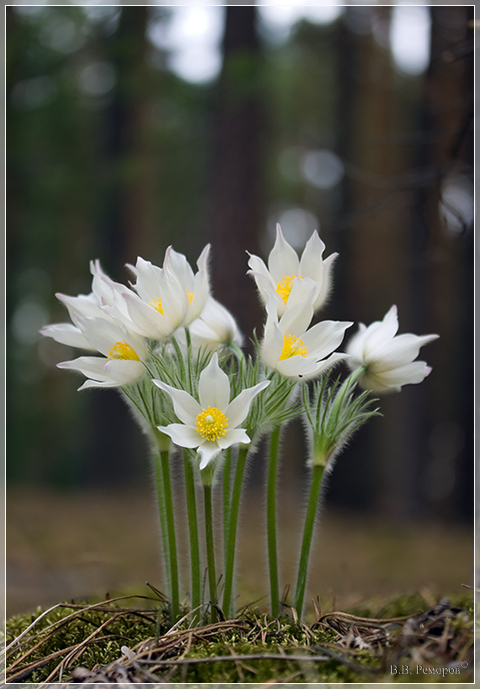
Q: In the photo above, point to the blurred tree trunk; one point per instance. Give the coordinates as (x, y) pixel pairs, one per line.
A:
(126, 227)
(448, 111)
(236, 195)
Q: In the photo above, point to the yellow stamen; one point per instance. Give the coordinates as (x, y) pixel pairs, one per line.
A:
(211, 423)
(157, 305)
(292, 346)
(190, 297)
(285, 285)
(122, 350)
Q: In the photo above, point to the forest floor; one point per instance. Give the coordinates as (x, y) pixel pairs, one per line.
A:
(84, 547)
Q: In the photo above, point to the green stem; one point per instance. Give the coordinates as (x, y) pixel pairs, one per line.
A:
(172, 543)
(212, 575)
(195, 569)
(163, 517)
(232, 530)
(272, 521)
(307, 537)
(227, 470)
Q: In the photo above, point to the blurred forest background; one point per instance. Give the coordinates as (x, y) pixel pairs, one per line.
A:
(123, 137)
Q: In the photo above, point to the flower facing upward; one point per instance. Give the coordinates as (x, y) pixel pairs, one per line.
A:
(388, 359)
(293, 350)
(285, 272)
(210, 424)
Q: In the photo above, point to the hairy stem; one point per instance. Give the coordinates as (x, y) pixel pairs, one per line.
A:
(232, 530)
(212, 575)
(195, 568)
(172, 542)
(272, 521)
(316, 484)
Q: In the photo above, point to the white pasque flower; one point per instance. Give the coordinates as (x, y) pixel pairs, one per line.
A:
(210, 424)
(125, 353)
(294, 351)
(166, 298)
(98, 304)
(285, 271)
(195, 285)
(213, 328)
(388, 358)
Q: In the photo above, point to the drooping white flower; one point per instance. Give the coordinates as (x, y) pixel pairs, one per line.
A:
(292, 349)
(213, 328)
(388, 358)
(124, 353)
(285, 271)
(210, 424)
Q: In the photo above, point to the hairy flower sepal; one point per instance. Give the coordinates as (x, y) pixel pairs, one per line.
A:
(211, 423)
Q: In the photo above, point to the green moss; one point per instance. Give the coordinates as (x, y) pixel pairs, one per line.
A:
(254, 634)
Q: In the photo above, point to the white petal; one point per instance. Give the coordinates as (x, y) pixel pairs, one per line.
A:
(186, 407)
(259, 269)
(297, 318)
(410, 374)
(237, 410)
(324, 337)
(183, 436)
(283, 260)
(272, 343)
(147, 319)
(207, 452)
(67, 334)
(379, 333)
(326, 284)
(311, 263)
(403, 349)
(90, 366)
(179, 269)
(124, 371)
(296, 366)
(233, 437)
(325, 364)
(214, 386)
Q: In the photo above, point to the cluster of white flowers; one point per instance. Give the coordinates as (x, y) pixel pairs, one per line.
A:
(175, 353)
(125, 324)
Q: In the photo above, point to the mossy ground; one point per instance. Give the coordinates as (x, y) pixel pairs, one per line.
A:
(358, 646)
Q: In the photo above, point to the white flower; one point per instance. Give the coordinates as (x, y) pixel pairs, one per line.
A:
(387, 358)
(285, 270)
(294, 351)
(160, 305)
(214, 327)
(196, 286)
(211, 425)
(125, 353)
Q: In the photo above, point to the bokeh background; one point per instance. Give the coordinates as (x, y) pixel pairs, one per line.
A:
(132, 128)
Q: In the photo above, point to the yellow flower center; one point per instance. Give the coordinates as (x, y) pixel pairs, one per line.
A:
(122, 350)
(285, 285)
(190, 297)
(157, 305)
(211, 423)
(292, 346)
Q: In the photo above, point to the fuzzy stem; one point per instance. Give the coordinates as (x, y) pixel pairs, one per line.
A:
(163, 517)
(212, 575)
(227, 470)
(307, 537)
(272, 521)
(172, 543)
(195, 569)
(232, 530)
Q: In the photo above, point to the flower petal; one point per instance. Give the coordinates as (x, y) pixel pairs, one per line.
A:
(238, 409)
(67, 334)
(207, 451)
(233, 436)
(283, 260)
(124, 371)
(186, 407)
(324, 337)
(182, 435)
(214, 386)
(402, 350)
